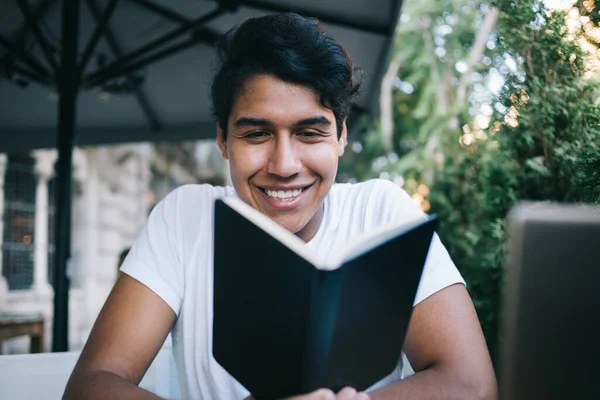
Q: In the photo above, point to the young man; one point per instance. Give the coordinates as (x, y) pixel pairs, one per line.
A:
(281, 95)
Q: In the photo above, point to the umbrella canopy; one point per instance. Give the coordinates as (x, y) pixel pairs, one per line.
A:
(162, 93)
(138, 70)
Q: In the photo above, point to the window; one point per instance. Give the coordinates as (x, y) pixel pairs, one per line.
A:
(19, 222)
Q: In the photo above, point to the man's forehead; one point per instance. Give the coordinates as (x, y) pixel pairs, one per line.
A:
(271, 99)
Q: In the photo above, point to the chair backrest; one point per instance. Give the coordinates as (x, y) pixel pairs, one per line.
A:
(44, 376)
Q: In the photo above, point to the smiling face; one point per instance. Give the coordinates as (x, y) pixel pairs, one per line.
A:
(283, 149)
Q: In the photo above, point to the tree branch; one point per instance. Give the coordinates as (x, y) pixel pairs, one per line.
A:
(488, 25)
(385, 101)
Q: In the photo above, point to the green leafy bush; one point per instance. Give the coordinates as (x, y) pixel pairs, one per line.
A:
(542, 142)
(548, 149)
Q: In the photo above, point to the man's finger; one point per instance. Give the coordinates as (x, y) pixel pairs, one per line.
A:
(321, 394)
(349, 393)
(346, 393)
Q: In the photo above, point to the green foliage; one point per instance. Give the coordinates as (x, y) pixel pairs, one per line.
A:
(549, 152)
(542, 142)
(591, 10)
(432, 36)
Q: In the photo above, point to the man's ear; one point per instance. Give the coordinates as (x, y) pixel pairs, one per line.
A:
(343, 141)
(222, 142)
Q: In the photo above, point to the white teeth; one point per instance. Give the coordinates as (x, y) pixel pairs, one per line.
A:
(285, 195)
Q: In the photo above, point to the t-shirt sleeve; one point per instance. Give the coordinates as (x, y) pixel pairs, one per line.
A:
(439, 271)
(154, 258)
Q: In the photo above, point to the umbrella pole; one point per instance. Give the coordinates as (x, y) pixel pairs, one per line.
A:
(67, 88)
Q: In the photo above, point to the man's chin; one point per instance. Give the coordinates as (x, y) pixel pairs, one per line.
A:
(292, 226)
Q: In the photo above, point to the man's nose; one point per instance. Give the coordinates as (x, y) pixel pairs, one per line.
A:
(284, 161)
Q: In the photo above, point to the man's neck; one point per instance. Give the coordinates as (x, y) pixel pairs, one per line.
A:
(312, 227)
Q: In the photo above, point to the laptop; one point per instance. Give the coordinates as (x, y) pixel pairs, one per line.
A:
(551, 323)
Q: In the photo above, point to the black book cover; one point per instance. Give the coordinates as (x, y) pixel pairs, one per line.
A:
(282, 327)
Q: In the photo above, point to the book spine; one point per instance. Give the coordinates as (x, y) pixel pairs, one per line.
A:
(325, 298)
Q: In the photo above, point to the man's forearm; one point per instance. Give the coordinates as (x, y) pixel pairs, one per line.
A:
(433, 384)
(104, 385)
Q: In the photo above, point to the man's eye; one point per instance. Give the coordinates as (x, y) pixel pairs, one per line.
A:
(309, 135)
(256, 135)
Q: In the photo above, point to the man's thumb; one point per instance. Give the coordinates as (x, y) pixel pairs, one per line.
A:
(322, 394)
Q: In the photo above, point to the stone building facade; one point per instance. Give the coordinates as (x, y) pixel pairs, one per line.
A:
(114, 189)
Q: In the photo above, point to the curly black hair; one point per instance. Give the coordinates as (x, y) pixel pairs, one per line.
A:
(292, 48)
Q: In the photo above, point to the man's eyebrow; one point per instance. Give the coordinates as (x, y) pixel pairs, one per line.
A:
(244, 122)
(317, 120)
(250, 121)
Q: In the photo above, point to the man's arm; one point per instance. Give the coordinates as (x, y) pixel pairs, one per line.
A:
(126, 337)
(447, 350)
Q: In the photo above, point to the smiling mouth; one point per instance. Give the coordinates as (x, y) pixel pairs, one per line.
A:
(287, 195)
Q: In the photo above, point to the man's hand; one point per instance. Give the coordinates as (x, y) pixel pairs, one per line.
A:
(350, 394)
(326, 394)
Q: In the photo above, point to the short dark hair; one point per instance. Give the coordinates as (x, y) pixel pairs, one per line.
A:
(291, 48)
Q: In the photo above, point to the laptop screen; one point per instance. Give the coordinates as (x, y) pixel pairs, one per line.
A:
(551, 322)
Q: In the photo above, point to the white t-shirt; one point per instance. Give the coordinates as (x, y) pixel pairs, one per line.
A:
(173, 256)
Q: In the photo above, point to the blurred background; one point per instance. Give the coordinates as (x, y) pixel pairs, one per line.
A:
(477, 105)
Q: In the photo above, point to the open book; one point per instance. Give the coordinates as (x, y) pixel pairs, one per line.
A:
(286, 322)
